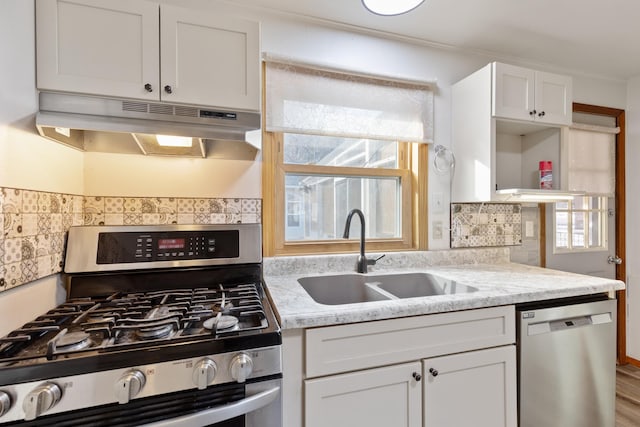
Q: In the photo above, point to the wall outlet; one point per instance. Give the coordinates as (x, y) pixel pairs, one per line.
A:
(528, 229)
(436, 230)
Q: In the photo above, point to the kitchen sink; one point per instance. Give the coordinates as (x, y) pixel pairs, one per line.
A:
(412, 285)
(341, 289)
(356, 288)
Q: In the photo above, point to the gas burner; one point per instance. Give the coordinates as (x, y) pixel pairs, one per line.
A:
(74, 341)
(220, 322)
(154, 332)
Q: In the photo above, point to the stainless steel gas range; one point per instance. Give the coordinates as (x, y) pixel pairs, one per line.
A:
(163, 326)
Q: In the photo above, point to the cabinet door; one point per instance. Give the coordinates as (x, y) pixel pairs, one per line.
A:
(103, 47)
(471, 389)
(209, 59)
(513, 92)
(553, 98)
(381, 397)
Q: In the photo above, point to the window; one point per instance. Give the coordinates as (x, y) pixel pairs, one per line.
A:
(580, 225)
(334, 142)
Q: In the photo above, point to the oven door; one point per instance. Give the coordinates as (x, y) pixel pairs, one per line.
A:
(262, 407)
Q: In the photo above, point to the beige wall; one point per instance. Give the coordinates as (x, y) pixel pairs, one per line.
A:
(138, 176)
(27, 160)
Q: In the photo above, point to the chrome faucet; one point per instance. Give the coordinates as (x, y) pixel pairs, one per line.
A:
(363, 262)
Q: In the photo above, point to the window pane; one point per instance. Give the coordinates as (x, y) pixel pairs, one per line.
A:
(581, 202)
(562, 205)
(588, 224)
(578, 229)
(562, 229)
(320, 204)
(595, 238)
(336, 151)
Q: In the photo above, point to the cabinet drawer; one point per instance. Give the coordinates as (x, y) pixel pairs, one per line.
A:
(344, 348)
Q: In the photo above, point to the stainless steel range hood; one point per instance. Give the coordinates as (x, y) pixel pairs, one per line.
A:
(91, 123)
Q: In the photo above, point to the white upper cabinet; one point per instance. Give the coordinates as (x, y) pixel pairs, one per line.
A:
(505, 121)
(209, 59)
(98, 47)
(529, 95)
(144, 50)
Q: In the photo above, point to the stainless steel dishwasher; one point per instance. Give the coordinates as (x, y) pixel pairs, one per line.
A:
(567, 363)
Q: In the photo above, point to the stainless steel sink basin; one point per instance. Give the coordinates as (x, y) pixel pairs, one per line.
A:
(341, 289)
(412, 285)
(355, 288)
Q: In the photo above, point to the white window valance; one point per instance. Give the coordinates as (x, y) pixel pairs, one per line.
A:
(301, 98)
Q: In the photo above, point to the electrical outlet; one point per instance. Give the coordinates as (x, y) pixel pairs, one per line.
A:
(436, 230)
(528, 229)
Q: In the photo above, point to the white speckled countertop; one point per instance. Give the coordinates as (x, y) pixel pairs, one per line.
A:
(499, 282)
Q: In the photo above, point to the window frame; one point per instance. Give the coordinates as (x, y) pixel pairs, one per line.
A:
(412, 171)
(603, 210)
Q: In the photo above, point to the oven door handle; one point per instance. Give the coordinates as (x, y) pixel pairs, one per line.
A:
(222, 413)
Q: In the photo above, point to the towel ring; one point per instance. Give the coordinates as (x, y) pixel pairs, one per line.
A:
(443, 161)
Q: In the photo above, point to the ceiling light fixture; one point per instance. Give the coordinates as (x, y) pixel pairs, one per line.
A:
(391, 7)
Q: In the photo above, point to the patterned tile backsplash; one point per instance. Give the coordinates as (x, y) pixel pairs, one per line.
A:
(35, 223)
(485, 224)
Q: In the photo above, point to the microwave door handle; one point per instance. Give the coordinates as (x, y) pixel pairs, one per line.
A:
(221, 413)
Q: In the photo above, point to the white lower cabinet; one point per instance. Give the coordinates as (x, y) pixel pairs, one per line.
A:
(473, 389)
(382, 397)
(443, 370)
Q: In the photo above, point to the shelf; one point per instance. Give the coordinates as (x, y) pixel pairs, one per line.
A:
(521, 195)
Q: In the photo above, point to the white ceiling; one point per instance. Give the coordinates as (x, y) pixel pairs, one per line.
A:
(594, 37)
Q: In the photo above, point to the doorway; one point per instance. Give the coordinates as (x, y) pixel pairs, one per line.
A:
(615, 208)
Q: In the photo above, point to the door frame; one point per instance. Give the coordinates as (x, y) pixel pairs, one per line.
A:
(620, 231)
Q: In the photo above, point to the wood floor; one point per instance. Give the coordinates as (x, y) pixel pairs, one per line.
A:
(628, 396)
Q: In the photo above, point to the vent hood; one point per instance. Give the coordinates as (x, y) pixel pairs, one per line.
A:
(117, 125)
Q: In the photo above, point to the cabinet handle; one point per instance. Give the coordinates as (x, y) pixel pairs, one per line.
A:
(416, 376)
(168, 89)
(541, 114)
(532, 113)
(433, 372)
(148, 87)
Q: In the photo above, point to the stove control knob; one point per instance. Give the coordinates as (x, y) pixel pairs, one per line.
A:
(129, 385)
(40, 400)
(5, 403)
(204, 372)
(241, 367)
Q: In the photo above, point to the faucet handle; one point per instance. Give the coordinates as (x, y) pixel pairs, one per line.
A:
(373, 261)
